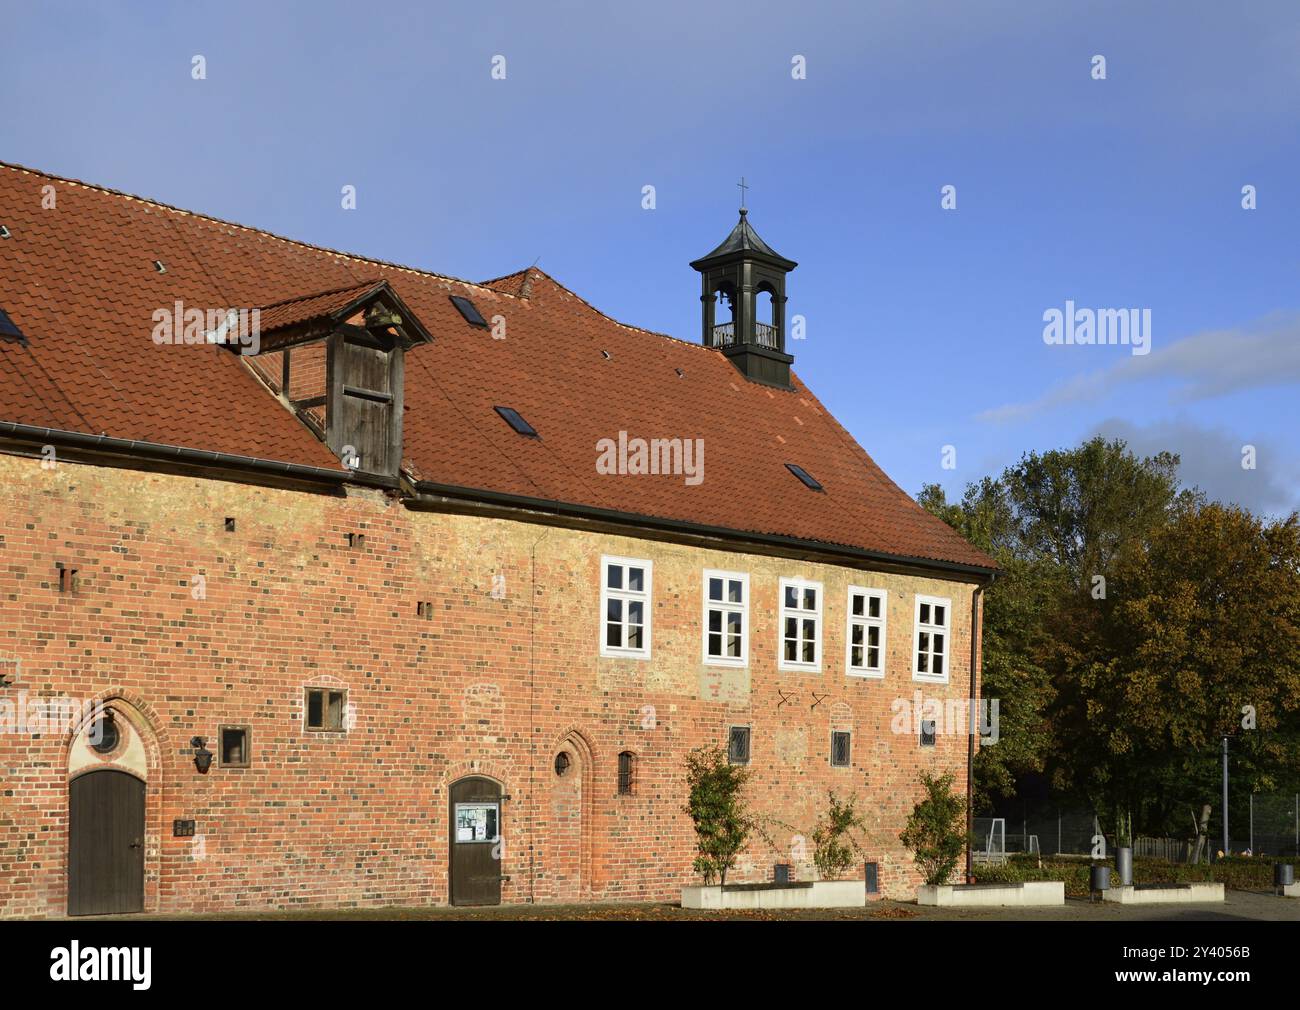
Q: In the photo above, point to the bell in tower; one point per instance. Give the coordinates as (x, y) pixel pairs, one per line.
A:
(744, 279)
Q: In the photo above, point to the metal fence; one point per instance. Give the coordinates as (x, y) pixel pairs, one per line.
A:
(1175, 850)
(1274, 824)
(1052, 831)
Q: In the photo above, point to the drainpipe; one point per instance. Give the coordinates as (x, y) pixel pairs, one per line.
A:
(976, 640)
(532, 715)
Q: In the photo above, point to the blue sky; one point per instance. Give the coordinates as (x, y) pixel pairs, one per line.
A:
(924, 325)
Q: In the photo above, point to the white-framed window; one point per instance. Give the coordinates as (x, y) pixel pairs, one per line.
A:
(931, 644)
(865, 638)
(800, 627)
(726, 618)
(625, 607)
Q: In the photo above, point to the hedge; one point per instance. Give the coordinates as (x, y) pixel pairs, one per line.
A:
(1240, 872)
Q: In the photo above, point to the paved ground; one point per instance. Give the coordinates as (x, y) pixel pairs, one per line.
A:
(1239, 905)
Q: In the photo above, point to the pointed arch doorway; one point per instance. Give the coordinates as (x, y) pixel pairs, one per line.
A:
(571, 794)
(108, 782)
(106, 845)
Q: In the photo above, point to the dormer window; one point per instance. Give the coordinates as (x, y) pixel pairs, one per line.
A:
(356, 402)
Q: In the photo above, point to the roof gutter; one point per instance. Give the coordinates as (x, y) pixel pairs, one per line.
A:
(698, 529)
(198, 457)
(321, 475)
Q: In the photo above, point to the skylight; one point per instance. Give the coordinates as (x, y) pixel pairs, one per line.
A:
(804, 476)
(513, 418)
(8, 328)
(467, 309)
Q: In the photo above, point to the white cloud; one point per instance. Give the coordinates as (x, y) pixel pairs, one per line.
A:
(1211, 460)
(1202, 366)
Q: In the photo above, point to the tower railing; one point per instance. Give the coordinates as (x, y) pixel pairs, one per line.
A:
(765, 335)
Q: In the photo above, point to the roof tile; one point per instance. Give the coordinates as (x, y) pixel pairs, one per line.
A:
(80, 284)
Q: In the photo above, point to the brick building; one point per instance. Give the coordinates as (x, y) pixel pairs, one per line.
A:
(330, 582)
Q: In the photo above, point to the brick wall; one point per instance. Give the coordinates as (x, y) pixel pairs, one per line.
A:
(485, 685)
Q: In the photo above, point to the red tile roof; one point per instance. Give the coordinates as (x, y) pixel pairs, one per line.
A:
(302, 308)
(80, 282)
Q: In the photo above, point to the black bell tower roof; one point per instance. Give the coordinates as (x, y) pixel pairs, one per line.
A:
(743, 243)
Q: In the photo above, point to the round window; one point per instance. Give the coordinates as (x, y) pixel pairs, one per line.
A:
(104, 735)
(561, 763)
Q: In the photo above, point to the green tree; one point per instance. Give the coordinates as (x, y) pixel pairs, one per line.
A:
(1055, 523)
(936, 829)
(718, 811)
(1200, 639)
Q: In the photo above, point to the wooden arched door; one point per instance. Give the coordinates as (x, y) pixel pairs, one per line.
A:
(105, 843)
(475, 840)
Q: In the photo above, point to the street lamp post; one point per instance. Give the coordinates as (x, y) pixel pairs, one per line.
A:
(1226, 850)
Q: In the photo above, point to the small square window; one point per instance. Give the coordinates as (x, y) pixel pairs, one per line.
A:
(841, 749)
(235, 742)
(325, 710)
(738, 745)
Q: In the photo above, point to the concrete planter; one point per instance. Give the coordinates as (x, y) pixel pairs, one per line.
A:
(808, 894)
(1024, 894)
(1165, 894)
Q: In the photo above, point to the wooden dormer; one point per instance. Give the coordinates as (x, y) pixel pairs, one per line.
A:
(347, 347)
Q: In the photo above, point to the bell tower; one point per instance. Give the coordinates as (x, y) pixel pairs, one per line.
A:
(744, 278)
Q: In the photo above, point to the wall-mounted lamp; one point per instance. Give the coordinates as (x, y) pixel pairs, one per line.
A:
(202, 756)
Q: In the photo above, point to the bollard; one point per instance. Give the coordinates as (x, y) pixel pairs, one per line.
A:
(1099, 880)
(1124, 865)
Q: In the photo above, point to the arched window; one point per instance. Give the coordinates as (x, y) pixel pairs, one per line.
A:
(626, 773)
(724, 325)
(765, 325)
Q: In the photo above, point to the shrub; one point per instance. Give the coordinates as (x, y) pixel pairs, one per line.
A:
(1242, 874)
(717, 809)
(834, 845)
(936, 829)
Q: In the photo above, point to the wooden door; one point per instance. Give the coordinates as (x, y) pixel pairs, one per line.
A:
(105, 844)
(475, 839)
